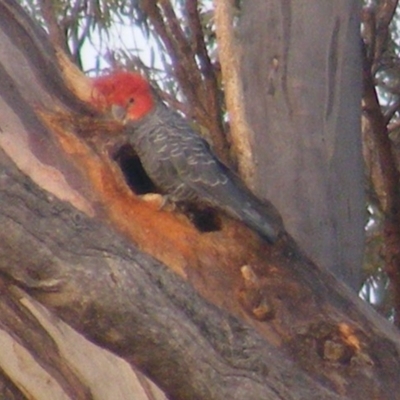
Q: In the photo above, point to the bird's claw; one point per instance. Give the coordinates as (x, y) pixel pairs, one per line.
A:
(162, 202)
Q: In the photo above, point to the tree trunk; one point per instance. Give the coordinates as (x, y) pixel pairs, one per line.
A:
(302, 90)
(206, 315)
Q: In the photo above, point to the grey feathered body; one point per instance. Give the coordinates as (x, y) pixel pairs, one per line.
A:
(181, 164)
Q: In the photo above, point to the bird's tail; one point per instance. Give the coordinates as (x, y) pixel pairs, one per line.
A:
(261, 216)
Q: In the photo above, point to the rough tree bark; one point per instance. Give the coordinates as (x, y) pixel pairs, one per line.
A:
(211, 315)
(306, 123)
(380, 152)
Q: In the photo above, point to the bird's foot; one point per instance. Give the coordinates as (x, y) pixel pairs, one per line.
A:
(158, 200)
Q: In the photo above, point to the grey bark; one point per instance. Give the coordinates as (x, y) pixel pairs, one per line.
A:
(127, 302)
(302, 91)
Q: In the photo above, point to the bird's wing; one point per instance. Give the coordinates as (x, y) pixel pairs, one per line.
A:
(194, 170)
(196, 165)
(199, 169)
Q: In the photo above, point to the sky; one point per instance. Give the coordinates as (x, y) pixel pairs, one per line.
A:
(123, 36)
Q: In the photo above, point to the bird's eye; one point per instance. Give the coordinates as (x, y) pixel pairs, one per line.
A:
(131, 100)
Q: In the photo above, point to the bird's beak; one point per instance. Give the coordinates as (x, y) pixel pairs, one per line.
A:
(118, 112)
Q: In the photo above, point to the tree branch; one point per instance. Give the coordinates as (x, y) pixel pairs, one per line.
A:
(207, 315)
(131, 304)
(384, 16)
(56, 35)
(228, 50)
(385, 178)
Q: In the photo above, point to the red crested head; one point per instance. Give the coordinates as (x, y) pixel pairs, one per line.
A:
(128, 90)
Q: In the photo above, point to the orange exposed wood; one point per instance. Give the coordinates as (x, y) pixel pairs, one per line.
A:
(213, 262)
(231, 267)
